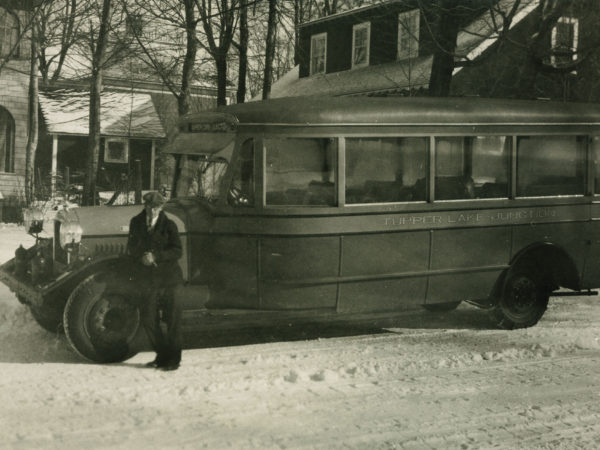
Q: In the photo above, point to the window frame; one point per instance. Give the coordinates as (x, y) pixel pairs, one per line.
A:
(125, 158)
(314, 38)
(9, 29)
(355, 29)
(7, 164)
(262, 178)
(342, 155)
(574, 44)
(585, 161)
(402, 30)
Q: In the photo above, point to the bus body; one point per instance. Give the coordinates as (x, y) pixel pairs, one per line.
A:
(345, 207)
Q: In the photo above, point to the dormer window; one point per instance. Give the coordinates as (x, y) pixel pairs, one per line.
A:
(565, 37)
(318, 53)
(361, 37)
(408, 34)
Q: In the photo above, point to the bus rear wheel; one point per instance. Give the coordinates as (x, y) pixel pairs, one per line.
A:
(523, 302)
(101, 319)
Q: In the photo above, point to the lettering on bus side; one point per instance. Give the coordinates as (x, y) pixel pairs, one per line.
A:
(482, 218)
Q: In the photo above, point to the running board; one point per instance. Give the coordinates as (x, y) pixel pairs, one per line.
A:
(573, 293)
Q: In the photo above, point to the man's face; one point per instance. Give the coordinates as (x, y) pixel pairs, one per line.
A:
(152, 211)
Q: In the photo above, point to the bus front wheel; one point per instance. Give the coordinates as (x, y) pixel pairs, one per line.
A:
(101, 319)
(523, 302)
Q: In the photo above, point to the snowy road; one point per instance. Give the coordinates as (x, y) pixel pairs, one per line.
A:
(435, 381)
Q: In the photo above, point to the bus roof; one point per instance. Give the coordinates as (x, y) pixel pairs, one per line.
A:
(320, 111)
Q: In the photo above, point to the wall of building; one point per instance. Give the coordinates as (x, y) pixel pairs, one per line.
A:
(14, 86)
(383, 40)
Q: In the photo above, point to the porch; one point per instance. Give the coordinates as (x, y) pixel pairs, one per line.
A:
(130, 132)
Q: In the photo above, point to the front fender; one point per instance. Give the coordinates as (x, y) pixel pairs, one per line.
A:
(58, 289)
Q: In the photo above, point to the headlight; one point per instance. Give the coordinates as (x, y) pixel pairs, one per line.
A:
(33, 219)
(70, 233)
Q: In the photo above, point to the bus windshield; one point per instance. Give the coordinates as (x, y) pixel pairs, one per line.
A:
(201, 177)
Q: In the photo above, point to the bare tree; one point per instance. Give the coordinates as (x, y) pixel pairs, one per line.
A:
(219, 21)
(98, 46)
(242, 47)
(270, 49)
(33, 120)
(58, 30)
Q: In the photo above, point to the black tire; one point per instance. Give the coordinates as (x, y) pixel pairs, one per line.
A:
(523, 302)
(101, 319)
(441, 307)
(49, 319)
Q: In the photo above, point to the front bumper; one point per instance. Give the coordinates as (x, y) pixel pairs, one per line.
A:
(21, 286)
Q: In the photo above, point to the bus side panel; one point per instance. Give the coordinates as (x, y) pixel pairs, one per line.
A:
(478, 256)
(299, 272)
(399, 259)
(233, 283)
(591, 273)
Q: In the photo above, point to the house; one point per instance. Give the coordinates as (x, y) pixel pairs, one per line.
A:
(387, 49)
(14, 85)
(138, 117)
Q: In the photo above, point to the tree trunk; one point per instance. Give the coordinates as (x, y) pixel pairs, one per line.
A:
(221, 65)
(89, 188)
(270, 49)
(89, 194)
(445, 34)
(183, 99)
(32, 132)
(243, 50)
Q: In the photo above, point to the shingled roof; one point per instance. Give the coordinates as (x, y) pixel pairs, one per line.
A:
(123, 114)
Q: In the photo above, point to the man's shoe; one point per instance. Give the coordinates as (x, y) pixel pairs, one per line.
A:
(168, 367)
(154, 363)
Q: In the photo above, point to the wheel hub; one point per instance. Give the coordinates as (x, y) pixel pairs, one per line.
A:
(113, 320)
(524, 294)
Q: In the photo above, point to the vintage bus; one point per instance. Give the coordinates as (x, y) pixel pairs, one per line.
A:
(338, 208)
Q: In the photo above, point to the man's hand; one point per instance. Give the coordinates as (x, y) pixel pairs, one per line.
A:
(148, 259)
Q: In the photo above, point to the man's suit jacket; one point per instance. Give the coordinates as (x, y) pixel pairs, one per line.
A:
(163, 241)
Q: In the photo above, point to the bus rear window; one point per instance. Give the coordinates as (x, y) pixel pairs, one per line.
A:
(550, 165)
(386, 170)
(300, 171)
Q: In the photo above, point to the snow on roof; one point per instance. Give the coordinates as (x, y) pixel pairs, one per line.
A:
(125, 114)
(401, 75)
(395, 76)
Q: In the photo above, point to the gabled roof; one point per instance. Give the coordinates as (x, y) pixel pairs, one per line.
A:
(123, 114)
(399, 76)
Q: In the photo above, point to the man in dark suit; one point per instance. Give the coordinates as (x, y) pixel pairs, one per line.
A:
(154, 247)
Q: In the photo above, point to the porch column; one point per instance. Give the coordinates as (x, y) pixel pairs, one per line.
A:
(53, 172)
(152, 155)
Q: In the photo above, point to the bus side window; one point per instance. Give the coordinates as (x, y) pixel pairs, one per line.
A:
(300, 171)
(241, 191)
(386, 170)
(471, 167)
(550, 165)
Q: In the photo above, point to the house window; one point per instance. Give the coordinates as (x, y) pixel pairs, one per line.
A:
(318, 53)
(361, 34)
(408, 34)
(116, 150)
(9, 34)
(565, 36)
(7, 141)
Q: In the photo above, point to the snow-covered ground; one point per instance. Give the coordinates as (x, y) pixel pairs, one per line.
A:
(436, 381)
